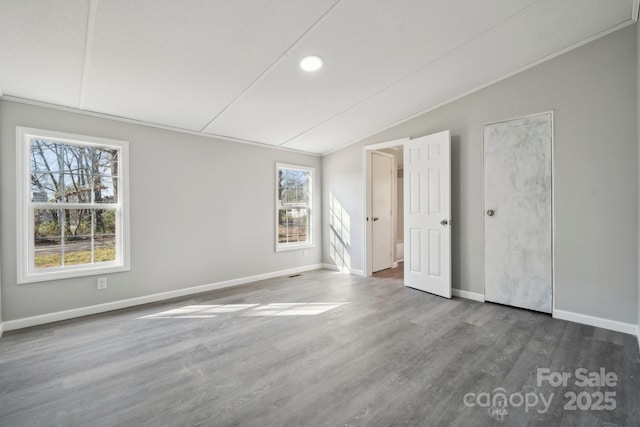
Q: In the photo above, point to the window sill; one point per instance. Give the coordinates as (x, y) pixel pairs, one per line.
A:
(68, 274)
(294, 247)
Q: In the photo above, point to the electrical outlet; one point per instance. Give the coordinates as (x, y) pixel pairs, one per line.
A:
(102, 283)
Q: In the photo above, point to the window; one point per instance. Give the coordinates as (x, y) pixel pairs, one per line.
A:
(71, 205)
(293, 207)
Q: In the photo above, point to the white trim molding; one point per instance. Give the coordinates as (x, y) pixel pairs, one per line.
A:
(1, 329)
(345, 270)
(357, 272)
(599, 322)
(331, 267)
(467, 295)
(26, 322)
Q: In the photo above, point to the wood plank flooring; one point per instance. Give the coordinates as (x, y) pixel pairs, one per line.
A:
(391, 273)
(319, 349)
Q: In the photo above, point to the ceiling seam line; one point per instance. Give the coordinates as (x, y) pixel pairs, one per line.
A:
(273, 64)
(485, 85)
(88, 49)
(105, 116)
(390, 85)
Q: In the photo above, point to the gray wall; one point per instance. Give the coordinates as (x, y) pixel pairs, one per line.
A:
(638, 124)
(202, 211)
(592, 91)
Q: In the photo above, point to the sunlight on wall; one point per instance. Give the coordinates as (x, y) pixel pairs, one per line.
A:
(252, 310)
(339, 234)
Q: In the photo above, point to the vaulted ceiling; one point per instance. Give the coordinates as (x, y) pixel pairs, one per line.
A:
(230, 68)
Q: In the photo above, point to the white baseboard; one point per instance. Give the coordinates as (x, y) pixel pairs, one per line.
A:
(1, 329)
(467, 294)
(357, 272)
(344, 270)
(613, 325)
(330, 267)
(26, 322)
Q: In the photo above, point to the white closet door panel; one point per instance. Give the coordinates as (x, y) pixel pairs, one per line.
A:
(518, 220)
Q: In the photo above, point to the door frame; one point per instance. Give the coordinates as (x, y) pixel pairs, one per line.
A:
(553, 203)
(367, 150)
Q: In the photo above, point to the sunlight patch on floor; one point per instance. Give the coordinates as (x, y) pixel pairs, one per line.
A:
(247, 310)
(199, 311)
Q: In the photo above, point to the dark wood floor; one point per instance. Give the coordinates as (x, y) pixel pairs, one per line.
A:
(391, 273)
(320, 349)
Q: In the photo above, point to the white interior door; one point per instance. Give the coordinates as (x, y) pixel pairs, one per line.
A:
(381, 208)
(427, 213)
(517, 203)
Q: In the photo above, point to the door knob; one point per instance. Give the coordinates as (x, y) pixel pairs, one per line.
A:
(491, 212)
(444, 222)
(375, 218)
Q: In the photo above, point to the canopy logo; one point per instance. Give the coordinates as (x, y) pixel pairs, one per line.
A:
(499, 401)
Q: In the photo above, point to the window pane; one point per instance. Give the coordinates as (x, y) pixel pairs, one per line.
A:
(294, 187)
(47, 238)
(77, 236)
(106, 189)
(43, 188)
(293, 225)
(77, 188)
(105, 235)
(78, 160)
(89, 236)
(46, 156)
(77, 223)
(106, 162)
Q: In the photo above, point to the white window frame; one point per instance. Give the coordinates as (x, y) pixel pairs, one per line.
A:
(26, 272)
(280, 247)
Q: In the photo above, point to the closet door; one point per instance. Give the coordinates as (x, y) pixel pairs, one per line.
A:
(517, 217)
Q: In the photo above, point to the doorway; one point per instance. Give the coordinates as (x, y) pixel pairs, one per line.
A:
(395, 150)
(425, 247)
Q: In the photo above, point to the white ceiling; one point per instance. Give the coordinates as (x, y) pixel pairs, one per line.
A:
(230, 68)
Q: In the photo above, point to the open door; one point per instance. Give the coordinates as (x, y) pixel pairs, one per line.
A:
(381, 210)
(427, 213)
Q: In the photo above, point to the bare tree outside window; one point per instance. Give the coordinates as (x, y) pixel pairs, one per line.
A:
(294, 205)
(72, 188)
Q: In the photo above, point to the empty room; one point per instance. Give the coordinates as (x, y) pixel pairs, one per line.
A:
(319, 213)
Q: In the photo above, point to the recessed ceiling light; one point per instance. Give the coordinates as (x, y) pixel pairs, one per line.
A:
(311, 63)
